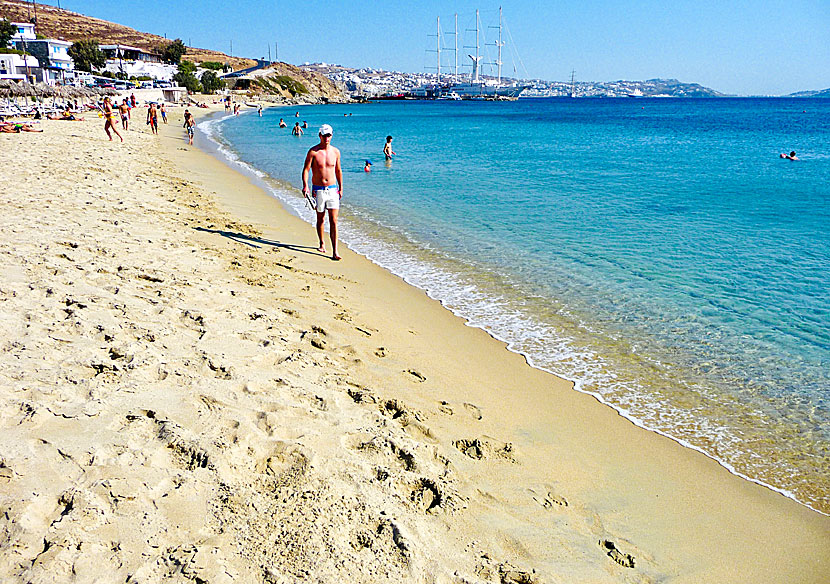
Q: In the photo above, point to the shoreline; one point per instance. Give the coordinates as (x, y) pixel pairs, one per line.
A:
(326, 420)
(219, 151)
(219, 157)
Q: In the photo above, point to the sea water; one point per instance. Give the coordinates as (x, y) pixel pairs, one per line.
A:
(657, 252)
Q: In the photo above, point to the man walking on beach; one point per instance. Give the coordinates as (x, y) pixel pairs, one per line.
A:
(326, 185)
(125, 114)
(153, 118)
(189, 124)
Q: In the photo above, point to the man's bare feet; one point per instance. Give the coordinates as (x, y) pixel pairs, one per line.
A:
(322, 249)
(335, 257)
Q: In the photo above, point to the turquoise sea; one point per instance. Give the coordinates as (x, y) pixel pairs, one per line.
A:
(657, 252)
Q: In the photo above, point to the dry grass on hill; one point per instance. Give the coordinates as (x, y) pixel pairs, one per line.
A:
(54, 22)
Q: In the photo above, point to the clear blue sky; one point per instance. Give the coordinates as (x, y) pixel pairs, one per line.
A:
(735, 46)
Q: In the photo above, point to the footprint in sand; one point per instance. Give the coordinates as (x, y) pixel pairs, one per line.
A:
(361, 396)
(510, 575)
(426, 495)
(611, 550)
(286, 465)
(473, 410)
(416, 375)
(380, 446)
(484, 447)
(548, 500)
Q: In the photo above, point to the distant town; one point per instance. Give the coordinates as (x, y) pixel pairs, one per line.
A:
(369, 83)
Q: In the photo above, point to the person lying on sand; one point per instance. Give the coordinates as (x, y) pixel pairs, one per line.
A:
(66, 116)
(14, 128)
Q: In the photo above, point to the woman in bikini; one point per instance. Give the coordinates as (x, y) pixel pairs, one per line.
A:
(108, 125)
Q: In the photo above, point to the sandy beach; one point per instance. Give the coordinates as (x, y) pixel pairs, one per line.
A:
(191, 393)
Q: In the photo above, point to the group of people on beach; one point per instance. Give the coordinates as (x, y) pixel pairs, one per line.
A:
(124, 110)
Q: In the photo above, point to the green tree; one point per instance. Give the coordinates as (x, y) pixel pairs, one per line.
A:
(186, 77)
(7, 31)
(87, 55)
(173, 52)
(210, 82)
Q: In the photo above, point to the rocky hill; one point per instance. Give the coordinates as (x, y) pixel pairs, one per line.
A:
(54, 22)
(288, 82)
(825, 93)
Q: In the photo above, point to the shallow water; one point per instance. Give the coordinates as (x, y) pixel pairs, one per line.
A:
(656, 252)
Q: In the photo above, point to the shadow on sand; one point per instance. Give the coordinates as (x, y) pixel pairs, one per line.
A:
(258, 242)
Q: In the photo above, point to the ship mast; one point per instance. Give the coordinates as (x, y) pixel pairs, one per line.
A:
(500, 44)
(573, 86)
(476, 59)
(455, 79)
(438, 49)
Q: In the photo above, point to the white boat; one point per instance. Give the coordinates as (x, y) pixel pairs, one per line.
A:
(451, 95)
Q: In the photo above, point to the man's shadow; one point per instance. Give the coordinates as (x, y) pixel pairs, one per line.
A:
(259, 242)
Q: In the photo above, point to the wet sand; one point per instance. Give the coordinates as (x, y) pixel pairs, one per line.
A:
(191, 392)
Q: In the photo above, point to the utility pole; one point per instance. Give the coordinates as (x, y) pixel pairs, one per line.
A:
(231, 55)
(276, 51)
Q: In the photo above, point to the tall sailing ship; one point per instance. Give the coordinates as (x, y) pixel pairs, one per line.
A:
(477, 87)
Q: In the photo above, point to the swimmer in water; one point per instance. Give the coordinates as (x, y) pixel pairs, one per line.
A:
(368, 166)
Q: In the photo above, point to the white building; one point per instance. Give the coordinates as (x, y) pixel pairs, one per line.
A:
(18, 67)
(135, 62)
(25, 32)
(54, 63)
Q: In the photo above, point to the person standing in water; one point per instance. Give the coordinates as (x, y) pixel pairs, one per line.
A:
(323, 160)
(387, 148)
(297, 130)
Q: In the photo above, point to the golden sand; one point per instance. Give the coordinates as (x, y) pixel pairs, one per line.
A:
(190, 393)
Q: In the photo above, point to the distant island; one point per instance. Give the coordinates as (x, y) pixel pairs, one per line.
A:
(815, 93)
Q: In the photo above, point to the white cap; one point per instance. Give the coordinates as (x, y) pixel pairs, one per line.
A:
(326, 129)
